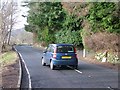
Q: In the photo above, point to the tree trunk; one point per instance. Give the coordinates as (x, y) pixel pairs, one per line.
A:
(0, 32)
(11, 25)
(9, 37)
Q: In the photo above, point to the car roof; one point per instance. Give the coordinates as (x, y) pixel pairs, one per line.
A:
(62, 44)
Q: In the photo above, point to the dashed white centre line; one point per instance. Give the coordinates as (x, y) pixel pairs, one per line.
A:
(110, 88)
(75, 70)
(78, 71)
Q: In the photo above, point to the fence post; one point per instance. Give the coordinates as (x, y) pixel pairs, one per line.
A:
(84, 53)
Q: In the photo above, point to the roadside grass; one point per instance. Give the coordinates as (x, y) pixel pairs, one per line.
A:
(8, 58)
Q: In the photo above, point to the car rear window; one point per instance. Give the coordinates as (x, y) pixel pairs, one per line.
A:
(65, 49)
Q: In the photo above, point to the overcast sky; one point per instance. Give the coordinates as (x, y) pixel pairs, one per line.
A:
(21, 20)
(21, 11)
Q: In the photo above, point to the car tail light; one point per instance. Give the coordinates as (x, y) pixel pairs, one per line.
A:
(75, 50)
(54, 54)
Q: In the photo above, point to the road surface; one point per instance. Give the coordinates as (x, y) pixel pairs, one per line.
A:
(87, 76)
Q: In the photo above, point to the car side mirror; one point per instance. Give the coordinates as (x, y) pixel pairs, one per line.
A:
(44, 51)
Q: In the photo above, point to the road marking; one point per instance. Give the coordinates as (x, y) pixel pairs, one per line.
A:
(78, 71)
(89, 76)
(75, 70)
(20, 70)
(109, 87)
(20, 74)
(29, 79)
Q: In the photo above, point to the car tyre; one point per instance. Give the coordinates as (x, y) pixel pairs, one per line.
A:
(43, 62)
(76, 67)
(52, 66)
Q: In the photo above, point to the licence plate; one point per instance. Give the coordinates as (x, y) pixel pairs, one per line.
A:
(66, 57)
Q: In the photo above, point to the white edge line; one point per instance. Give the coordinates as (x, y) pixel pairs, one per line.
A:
(29, 79)
(20, 70)
(20, 73)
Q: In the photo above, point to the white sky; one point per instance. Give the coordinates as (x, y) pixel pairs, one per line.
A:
(21, 20)
(22, 11)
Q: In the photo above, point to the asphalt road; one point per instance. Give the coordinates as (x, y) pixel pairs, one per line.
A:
(87, 76)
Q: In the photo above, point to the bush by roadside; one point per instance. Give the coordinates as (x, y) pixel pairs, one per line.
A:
(90, 58)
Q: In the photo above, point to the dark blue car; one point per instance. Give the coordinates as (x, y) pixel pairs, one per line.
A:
(59, 55)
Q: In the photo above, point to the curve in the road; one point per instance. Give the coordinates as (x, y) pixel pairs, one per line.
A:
(20, 70)
(29, 79)
(86, 76)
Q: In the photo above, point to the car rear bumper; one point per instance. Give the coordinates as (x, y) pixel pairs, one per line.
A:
(65, 62)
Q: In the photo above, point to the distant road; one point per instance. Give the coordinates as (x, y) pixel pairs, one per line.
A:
(87, 75)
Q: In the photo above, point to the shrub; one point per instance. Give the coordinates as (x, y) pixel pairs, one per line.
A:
(66, 36)
(111, 57)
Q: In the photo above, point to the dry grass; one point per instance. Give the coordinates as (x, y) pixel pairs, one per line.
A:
(10, 69)
(8, 58)
(103, 41)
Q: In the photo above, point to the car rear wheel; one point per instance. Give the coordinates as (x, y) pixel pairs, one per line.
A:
(76, 67)
(52, 66)
(43, 62)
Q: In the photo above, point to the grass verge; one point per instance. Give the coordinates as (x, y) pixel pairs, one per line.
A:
(8, 58)
(9, 69)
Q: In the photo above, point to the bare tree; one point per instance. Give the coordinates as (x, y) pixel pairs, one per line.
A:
(8, 19)
(0, 29)
(12, 19)
(0, 34)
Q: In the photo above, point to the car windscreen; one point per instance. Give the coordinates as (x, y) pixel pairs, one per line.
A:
(65, 49)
